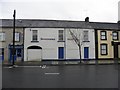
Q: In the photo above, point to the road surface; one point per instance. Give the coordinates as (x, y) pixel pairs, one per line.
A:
(76, 76)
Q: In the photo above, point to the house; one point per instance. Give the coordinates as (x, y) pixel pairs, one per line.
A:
(107, 41)
(38, 39)
(6, 41)
(51, 40)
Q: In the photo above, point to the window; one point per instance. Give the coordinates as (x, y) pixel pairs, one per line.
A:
(1, 54)
(2, 36)
(34, 35)
(13, 51)
(61, 35)
(103, 35)
(115, 35)
(1, 51)
(17, 37)
(103, 49)
(18, 52)
(85, 36)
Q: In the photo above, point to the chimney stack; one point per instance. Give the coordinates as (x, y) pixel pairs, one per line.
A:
(87, 19)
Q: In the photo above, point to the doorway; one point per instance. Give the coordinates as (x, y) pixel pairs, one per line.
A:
(86, 52)
(60, 52)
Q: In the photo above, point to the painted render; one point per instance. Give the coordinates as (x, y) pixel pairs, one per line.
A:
(48, 42)
(50, 47)
(110, 49)
(8, 40)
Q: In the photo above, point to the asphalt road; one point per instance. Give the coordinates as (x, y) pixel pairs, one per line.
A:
(84, 76)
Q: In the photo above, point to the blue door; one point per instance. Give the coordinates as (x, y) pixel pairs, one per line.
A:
(86, 52)
(61, 52)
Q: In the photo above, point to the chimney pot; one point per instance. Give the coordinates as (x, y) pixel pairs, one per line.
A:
(87, 19)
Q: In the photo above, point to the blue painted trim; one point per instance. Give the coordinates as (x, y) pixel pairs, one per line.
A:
(16, 48)
(61, 53)
(86, 52)
(2, 57)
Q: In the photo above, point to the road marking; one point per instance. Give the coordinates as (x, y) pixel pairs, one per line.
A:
(53, 73)
(7, 67)
(26, 66)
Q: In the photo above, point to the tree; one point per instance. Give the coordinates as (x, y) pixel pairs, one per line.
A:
(77, 37)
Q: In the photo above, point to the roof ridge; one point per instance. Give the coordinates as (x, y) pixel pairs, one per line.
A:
(61, 21)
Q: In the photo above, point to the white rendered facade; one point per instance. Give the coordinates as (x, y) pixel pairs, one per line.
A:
(48, 41)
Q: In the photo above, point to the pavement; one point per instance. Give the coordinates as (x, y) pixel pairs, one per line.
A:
(37, 63)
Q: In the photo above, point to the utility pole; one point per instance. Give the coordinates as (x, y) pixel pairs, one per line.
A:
(13, 51)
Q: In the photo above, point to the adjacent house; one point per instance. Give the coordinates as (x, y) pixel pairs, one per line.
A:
(107, 41)
(6, 41)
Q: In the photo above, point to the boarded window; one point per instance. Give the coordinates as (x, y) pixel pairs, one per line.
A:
(61, 35)
(85, 36)
(34, 35)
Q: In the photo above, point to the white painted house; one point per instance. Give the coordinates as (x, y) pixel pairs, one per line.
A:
(51, 40)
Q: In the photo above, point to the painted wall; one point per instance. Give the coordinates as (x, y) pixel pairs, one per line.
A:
(8, 40)
(108, 42)
(72, 50)
(50, 47)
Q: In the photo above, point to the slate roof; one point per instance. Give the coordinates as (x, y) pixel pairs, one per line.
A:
(37, 23)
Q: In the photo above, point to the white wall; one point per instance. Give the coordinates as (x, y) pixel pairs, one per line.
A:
(50, 47)
(72, 51)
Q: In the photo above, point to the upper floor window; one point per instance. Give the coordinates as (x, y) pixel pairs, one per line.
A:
(61, 35)
(103, 49)
(85, 36)
(2, 36)
(115, 35)
(103, 35)
(34, 35)
(17, 37)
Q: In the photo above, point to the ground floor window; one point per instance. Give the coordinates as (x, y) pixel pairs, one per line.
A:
(18, 52)
(1, 53)
(103, 49)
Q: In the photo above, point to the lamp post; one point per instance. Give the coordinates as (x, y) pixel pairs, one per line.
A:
(13, 51)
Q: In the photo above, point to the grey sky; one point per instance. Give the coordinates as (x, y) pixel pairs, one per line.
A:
(97, 10)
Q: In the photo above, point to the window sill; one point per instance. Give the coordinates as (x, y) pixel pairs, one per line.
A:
(103, 39)
(104, 54)
(115, 39)
(34, 41)
(2, 41)
(86, 41)
(61, 41)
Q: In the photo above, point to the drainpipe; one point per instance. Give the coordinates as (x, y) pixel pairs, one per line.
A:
(65, 43)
